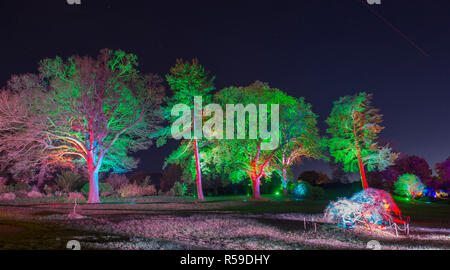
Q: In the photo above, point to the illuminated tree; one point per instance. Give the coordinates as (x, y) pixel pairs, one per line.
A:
(354, 126)
(99, 110)
(23, 142)
(298, 129)
(409, 185)
(188, 80)
(413, 165)
(252, 156)
(443, 170)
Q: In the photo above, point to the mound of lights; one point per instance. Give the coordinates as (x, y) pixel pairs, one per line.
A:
(370, 208)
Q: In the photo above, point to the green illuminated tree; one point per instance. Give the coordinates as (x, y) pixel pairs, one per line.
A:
(409, 185)
(298, 129)
(354, 126)
(188, 80)
(99, 110)
(253, 156)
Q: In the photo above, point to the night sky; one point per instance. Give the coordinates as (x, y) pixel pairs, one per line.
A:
(319, 49)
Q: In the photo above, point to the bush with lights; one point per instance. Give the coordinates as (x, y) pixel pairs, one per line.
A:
(366, 208)
(410, 186)
(304, 190)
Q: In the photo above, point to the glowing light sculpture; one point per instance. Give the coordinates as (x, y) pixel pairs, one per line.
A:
(366, 208)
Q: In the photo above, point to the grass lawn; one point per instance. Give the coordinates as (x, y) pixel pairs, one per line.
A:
(225, 222)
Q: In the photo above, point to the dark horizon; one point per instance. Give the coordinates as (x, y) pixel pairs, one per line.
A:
(321, 50)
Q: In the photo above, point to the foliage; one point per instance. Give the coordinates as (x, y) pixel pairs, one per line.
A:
(171, 175)
(100, 110)
(22, 186)
(142, 177)
(412, 165)
(300, 136)
(244, 158)
(338, 174)
(443, 170)
(315, 178)
(134, 190)
(354, 126)
(7, 196)
(69, 181)
(370, 206)
(187, 80)
(75, 196)
(300, 190)
(304, 190)
(34, 194)
(22, 134)
(117, 181)
(103, 188)
(48, 189)
(6, 188)
(179, 189)
(409, 185)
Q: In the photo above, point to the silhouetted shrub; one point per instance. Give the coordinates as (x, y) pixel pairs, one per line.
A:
(117, 181)
(103, 188)
(75, 196)
(68, 182)
(315, 178)
(22, 186)
(179, 189)
(7, 196)
(171, 175)
(134, 190)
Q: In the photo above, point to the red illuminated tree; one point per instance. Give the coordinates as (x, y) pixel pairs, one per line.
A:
(188, 80)
(354, 126)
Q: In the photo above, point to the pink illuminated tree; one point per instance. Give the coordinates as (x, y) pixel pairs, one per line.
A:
(23, 141)
(99, 110)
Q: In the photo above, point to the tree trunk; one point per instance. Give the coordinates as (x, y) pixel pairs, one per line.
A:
(41, 174)
(285, 182)
(256, 184)
(361, 169)
(199, 173)
(361, 165)
(94, 194)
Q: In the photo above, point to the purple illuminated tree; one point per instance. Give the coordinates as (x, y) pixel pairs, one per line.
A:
(443, 170)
